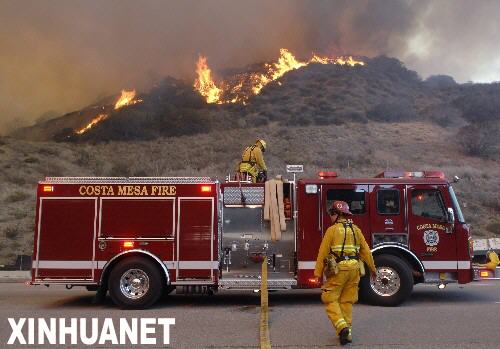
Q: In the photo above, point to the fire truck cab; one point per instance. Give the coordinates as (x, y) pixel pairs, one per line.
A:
(141, 237)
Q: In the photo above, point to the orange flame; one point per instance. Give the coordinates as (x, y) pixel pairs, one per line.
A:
(204, 83)
(127, 98)
(249, 84)
(92, 123)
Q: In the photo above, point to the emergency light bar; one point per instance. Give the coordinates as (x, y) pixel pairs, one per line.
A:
(326, 174)
(408, 174)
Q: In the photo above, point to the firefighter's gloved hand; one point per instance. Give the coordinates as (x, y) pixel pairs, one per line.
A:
(262, 177)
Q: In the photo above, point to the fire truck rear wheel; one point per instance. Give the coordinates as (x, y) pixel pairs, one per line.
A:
(135, 283)
(393, 285)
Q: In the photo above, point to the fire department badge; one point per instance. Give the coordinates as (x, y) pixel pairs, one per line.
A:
(431, 237)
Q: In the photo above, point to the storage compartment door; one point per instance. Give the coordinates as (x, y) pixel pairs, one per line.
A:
(66, 239)
(195, 239)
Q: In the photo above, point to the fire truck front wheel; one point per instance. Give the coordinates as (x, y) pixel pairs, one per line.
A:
(135, 283)
(393, 285)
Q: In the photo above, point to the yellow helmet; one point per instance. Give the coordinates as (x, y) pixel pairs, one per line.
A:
(262, 143)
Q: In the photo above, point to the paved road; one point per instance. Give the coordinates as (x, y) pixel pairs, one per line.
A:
(454, 318)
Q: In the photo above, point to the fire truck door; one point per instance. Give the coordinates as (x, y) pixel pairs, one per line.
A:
(431, 236)
(356, 198)
(67, 230)
(195, 236)
(387, 214)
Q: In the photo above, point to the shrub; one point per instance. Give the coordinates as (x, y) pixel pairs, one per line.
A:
(11, 232)
(83, 158)
(440, 81)
(30, 160)
(392, 111)
(19, 214)
(120, 169)
(47, 151)
(16, 197)
(494, 227)
(480, 139)
(16, 179)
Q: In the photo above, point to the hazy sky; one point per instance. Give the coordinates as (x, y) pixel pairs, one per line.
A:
(59, 55)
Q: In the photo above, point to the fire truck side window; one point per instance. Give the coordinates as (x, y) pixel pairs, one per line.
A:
(428, 203)
(355, 199)
(388, 201)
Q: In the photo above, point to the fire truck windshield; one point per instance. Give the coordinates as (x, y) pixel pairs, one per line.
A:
(458, 211)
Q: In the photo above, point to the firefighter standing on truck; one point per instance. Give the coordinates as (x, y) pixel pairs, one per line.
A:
(341, 255)
(252, 162)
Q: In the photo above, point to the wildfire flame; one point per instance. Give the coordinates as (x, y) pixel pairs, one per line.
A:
(92, 123)
(204, 84)
(239, 90)
(126, 98)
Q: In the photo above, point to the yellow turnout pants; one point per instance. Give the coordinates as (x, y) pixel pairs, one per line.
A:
(340, 292)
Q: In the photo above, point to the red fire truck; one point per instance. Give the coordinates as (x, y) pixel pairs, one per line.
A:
(140, 237)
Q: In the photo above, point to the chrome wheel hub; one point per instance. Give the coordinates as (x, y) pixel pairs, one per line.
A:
(387, 282)
(134, 283)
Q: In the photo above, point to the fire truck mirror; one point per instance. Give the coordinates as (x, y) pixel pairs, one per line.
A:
(451, 216)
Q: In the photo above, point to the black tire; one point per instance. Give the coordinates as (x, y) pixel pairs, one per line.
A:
(149, 283)
(388, 293)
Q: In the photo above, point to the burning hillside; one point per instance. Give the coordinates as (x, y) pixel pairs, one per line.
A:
(235, 89)
(289, 91)
(126, 98)
(239, 88)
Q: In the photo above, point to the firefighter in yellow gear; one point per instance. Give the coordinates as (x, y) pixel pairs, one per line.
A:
(252, 161)
(348, 247)
(492, 261)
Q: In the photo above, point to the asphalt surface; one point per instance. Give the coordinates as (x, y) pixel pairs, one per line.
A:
(457, 317)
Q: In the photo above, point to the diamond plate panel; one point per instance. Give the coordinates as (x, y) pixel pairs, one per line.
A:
(253, 195)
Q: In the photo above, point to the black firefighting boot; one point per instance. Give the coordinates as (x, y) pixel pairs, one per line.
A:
(349, 336)
(343, 336)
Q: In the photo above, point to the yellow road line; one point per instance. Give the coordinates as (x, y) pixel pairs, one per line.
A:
(265, 342)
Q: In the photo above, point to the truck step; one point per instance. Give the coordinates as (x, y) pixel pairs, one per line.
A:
(253, 284)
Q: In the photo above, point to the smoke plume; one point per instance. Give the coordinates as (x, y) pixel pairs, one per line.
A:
(57, 56)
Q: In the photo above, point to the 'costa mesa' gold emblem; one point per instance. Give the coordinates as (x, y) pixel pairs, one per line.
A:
(127, 190)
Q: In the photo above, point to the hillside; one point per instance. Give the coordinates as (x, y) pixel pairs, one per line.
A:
(352, 149)
(319, 94)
